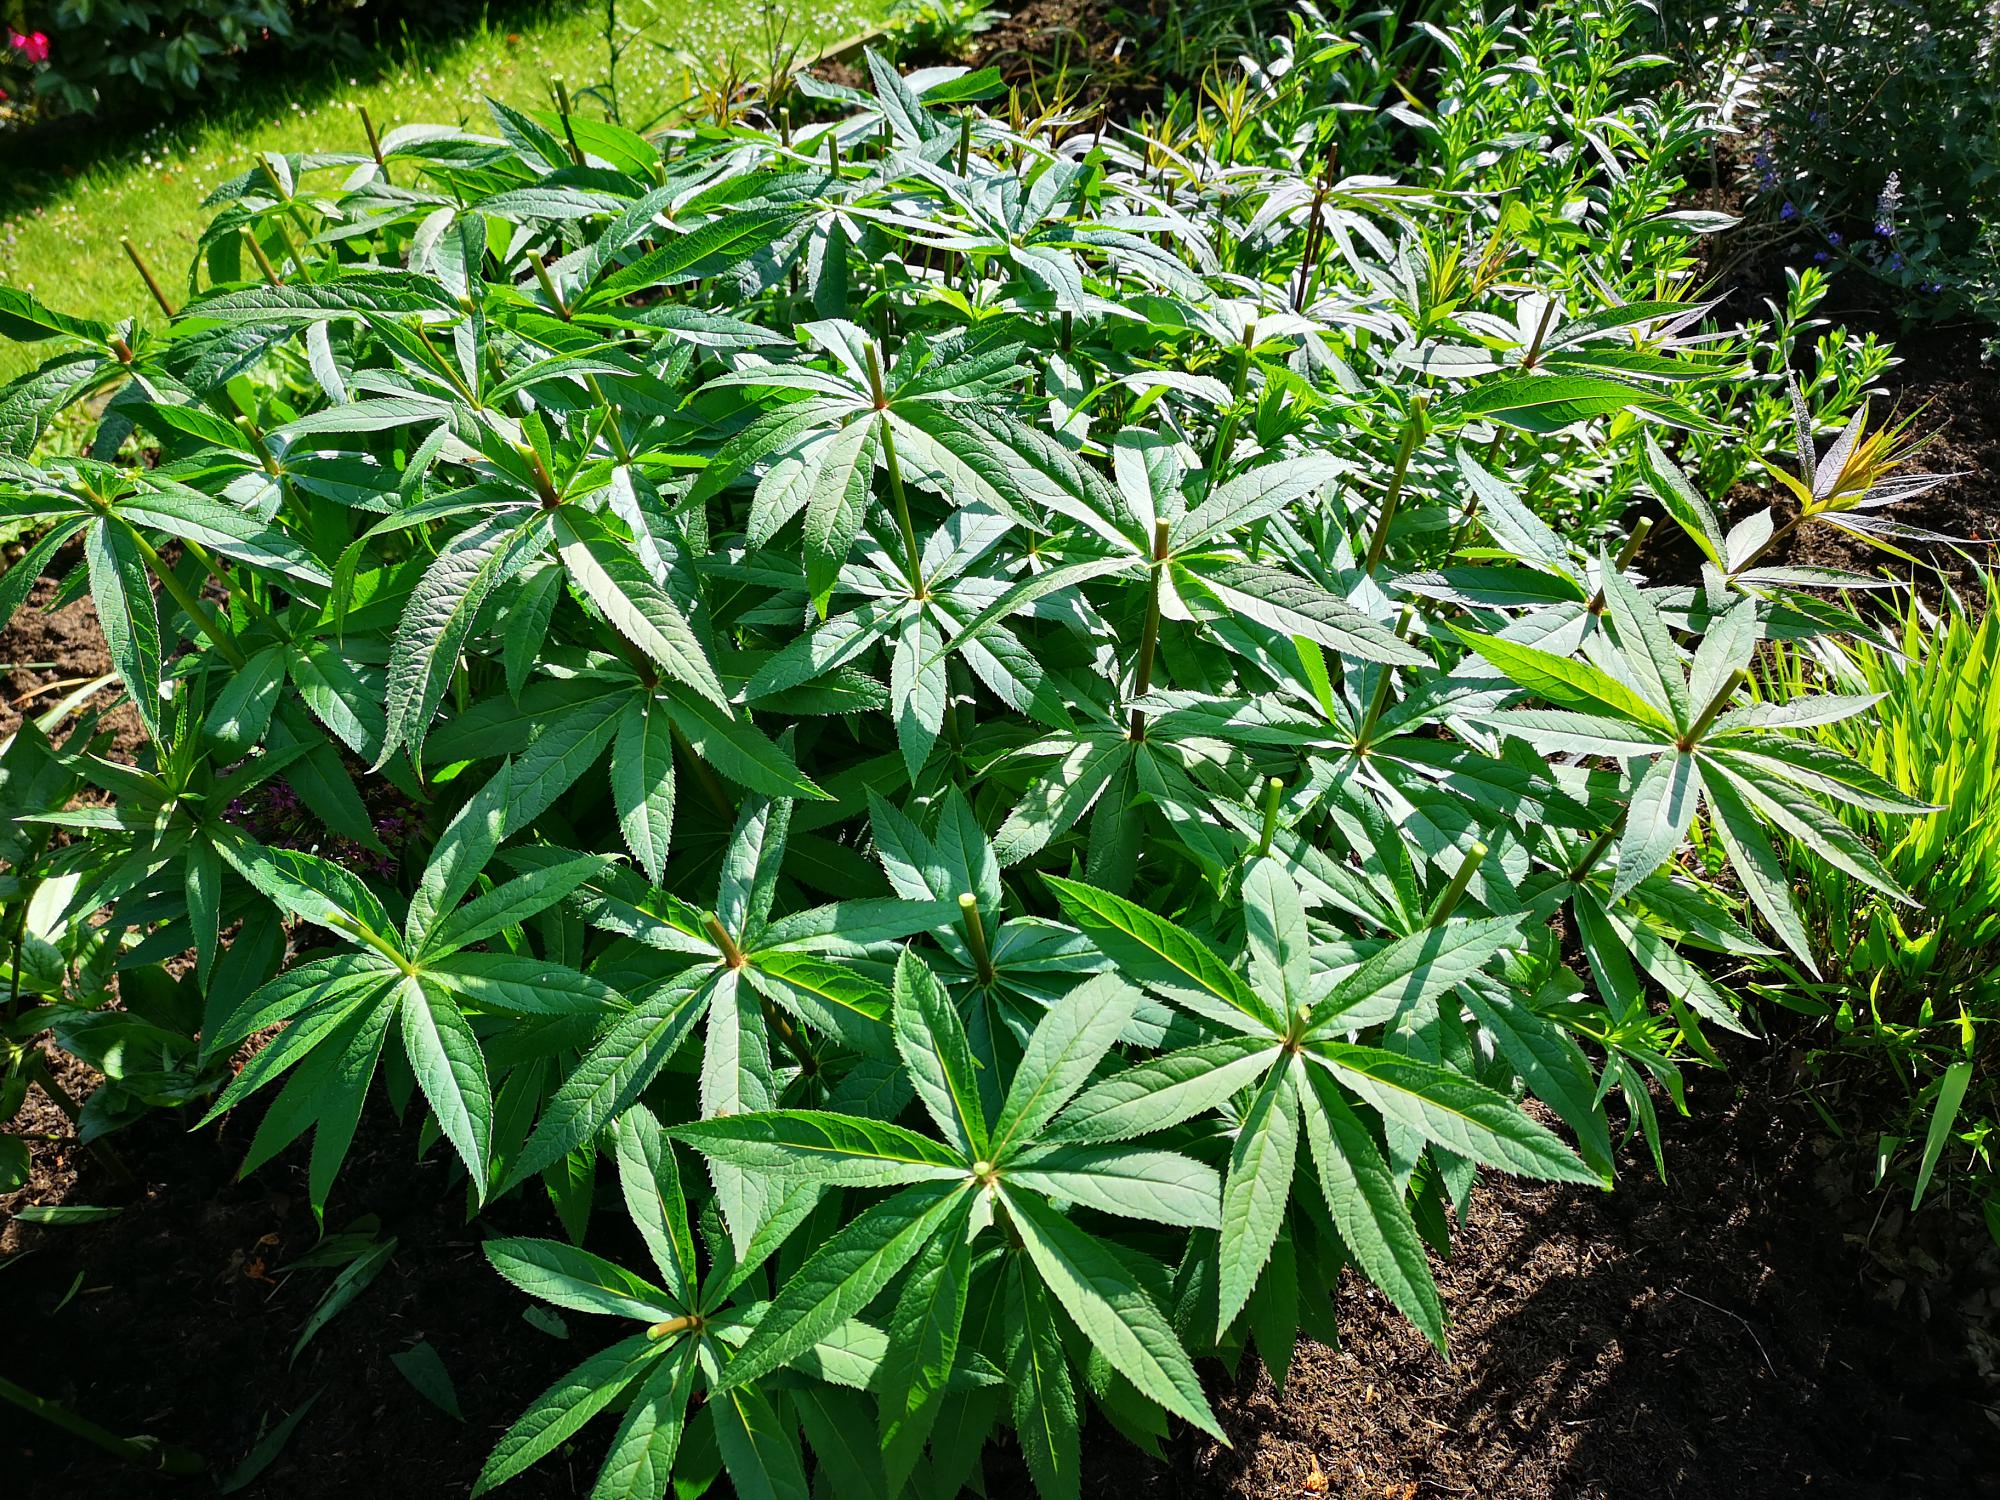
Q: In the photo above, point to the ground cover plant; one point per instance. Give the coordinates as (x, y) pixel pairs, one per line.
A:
(1031, 738)
(1914, 992)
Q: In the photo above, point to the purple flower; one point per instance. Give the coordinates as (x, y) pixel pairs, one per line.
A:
(1833, 237)
(1789, 212)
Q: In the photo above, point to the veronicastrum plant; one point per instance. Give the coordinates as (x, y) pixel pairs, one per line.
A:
(1005, 741)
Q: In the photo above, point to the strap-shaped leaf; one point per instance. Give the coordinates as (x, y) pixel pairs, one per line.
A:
(567, 1276)
(615, 1071)
(451, 1070)
(642, 785)
(1164, 1091)
(649, 1179)
(440, 613)
(640, 1464)
(1106, 1301)
(843, 1276)
(1163, 1187)
(930, 1037)
(461, 852)
(1152, 951)
(123, 594)
(512, 902)
(559, 1412)
(1063, 1051)
(1566, 683)
(1464, 1116)
(1295, 606)
(605, 570)
(1367, 1206)
(1253, 495)
(1411, 970)
(924, 1329)
(826, 1147)
(1258, 1189)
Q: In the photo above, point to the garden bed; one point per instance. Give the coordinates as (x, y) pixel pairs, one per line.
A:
(1758, 1323)
(1733, 1331)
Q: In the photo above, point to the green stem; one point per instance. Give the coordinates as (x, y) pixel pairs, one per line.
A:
(135, 1450)
(146, 275)
(549, 287)
(711, 784)
(271, 276)
(193, 607)
(1225, 435)
(1714, 707)
(1413, 434)
(914, 556)
(1149, 637)
(1454, 892)
(1274, 789)
(1380, 699)
(1625, 555)
(975, 937)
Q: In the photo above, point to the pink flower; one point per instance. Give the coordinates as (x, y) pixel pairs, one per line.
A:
(34, 46)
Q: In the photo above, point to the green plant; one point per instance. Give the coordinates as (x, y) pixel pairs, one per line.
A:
(93, 53)
(1876, 136)
(1033, 706)
(1913, 994)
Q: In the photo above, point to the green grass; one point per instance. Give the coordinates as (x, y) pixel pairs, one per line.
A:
(61, 216)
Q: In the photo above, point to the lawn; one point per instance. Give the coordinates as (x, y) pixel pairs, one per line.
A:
(61, 219)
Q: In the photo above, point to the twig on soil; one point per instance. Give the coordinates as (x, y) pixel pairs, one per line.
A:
(1745, 1322)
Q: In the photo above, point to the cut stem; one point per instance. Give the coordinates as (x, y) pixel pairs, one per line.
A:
(1454, 892)
(146, 275)
(1274, 789)
(731, 954)
(975, 937)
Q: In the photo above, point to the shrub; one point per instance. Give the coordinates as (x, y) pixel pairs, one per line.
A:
(1876, 137)
(120, 57)
(994, 710)
(1915, 992)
